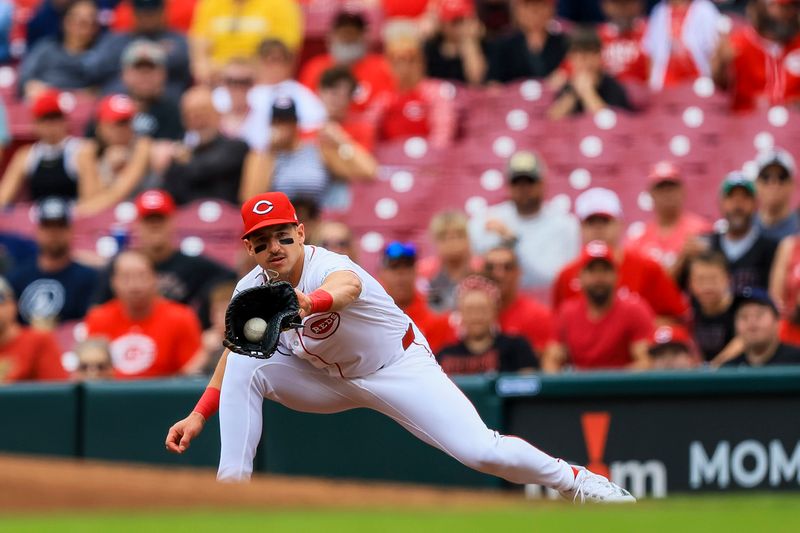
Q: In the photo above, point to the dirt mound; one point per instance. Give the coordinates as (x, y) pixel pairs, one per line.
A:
(55, 484)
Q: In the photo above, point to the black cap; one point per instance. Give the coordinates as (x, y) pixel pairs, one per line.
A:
(148, 4)
(349, 18)
(753, 295)
(53, 209)
(284, 110)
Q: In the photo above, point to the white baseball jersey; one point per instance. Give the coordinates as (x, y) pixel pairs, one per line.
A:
(356, 341)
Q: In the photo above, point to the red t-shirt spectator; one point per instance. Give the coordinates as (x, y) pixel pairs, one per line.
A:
(32, 355)
(528, 318)
(765, 73)
(159, 345)
(178, 15)
(603, 343)
(666, 247)
(435, 327)
(623, 55)
(372, 72)
(422, 111)
(681, 66)
(637, 274)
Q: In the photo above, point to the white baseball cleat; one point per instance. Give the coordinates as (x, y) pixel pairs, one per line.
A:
(594, 488)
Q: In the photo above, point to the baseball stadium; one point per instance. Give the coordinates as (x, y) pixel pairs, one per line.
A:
(399, 265)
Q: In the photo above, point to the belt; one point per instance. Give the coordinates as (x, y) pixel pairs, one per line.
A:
(409, 337)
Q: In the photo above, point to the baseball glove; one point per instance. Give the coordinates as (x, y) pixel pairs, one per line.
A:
(276, 303)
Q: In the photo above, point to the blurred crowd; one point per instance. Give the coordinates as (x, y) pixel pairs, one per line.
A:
(224, 99)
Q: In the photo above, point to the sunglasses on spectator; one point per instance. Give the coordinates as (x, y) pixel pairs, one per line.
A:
(344, 243)
(506, 267)
(238, 82)
(769, 175)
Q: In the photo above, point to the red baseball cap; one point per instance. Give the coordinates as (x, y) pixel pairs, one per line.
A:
(596, 250)
(48, 102)
(154, 202)
(664, 171)
(267, 209)
(115, 108)
(665, 335)
(450, 10)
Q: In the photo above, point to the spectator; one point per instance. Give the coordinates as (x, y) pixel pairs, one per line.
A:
(534, 50)
(219, 298)
(337, 237)
(182, 278)
(26, 354)
(417, 106)
(544, 237)
(230, 98)
(756, 63)
(94, 360)
(133, 323)
(57, 62)
(624, 57)
(452, 262)
(600, 328)
(775, 185)
(398, 276)
(712, 308)
(117, 159)
(207, 164)
(589, 88)
(178, 15)
(457, 52)
(481, 348)
(296, 167)
(277, 63)
(149, 24)
(671, 349)
(48, 167)
(348, 47)
(224, 29)
(52, 288)
(680, 40)
(519, 314)
(665, 236)
(600, 213)
(757, 323)
(144, 74)
(337, 87)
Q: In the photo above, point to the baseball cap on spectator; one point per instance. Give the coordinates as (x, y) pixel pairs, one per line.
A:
(664, 172)
(598, 202)
(398, 254)
(144, 51)
(737, 179)
(596, 251)
(284, 110)
(48, 103)
(148, 5)
(665, 336)
(53, 209)
(349, 18)
(115, 108)
(6, 292)
(450, 10)
(267, 209)
(525, 165)
(753, 295)
(776, 156)
(154, 202)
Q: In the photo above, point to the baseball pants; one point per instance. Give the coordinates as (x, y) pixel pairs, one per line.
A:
(414, 391)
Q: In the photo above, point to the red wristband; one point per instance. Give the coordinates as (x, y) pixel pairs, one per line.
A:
(320, 301)
(208, 403)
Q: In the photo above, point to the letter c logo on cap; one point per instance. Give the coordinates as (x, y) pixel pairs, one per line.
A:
(262, 207)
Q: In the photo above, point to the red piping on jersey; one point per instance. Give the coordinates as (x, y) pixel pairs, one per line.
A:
(319, 357)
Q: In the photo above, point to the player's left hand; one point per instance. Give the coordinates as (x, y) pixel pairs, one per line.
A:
(305, 303)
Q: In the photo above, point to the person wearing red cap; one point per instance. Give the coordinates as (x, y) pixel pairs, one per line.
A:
(457, 52)
(665, 236)
(671, 349)
(355, 348)
(600, 328)
(48, 167)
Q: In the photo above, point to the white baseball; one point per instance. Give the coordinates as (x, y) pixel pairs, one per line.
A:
(254, 329)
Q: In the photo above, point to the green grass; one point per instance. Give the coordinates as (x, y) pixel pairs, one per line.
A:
(756, 513)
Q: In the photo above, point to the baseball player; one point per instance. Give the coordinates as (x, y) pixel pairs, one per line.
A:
(355, 348)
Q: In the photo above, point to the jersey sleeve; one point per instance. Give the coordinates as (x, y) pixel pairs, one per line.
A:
(325, 265)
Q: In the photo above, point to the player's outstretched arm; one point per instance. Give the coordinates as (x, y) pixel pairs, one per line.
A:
(181, 433)
(339, 290)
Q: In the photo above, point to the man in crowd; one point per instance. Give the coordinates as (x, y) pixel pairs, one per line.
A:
(26, 354)
(600, 328)
(545, 238)
(775, 185)
(623, 54)
(337, 88)
(53, 287)
(600, 213)
(336, 237)
(134, 324)
(757, 323)
(671, 349)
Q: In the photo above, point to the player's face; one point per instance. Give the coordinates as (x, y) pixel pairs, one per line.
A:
(501, 266)
(757, 325)
(775, 187)
(601, 228)
(598, 280)
(738, 208)
(278, 248)
(708, 283)
(478, 313)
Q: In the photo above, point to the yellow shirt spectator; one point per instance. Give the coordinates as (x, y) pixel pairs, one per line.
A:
(225, 29)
